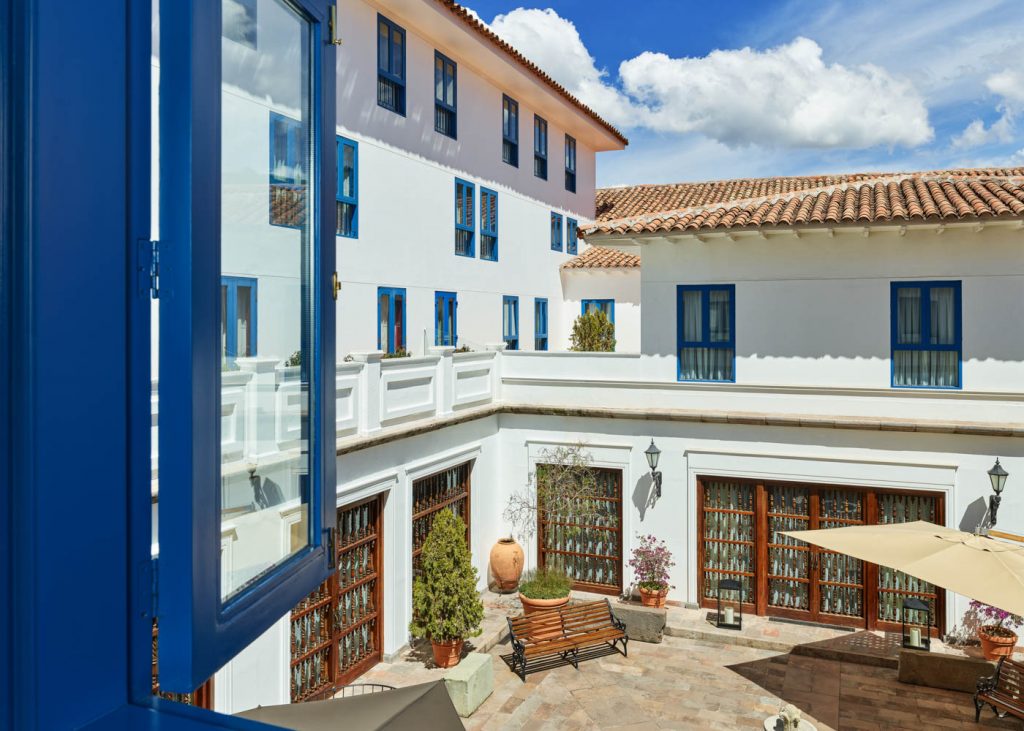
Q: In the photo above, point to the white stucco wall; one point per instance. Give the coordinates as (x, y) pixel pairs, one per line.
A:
(620, 285)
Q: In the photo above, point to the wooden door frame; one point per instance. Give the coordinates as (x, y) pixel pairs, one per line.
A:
(581, 585)
(870, 620)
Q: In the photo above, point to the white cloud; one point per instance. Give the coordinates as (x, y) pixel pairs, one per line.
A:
(784, 96)
(781, 97)
(1009, 85)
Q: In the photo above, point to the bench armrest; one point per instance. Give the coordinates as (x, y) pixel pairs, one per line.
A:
(987, 684)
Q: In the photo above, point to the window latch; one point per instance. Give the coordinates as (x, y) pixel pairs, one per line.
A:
(335, 285)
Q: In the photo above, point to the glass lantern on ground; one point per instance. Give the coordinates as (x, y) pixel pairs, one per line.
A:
(730, 604)
(916, 624)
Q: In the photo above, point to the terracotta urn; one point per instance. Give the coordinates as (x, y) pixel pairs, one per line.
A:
(446, 654)
(539, 605)
(507, 564)
(651, 598)
(996, 642)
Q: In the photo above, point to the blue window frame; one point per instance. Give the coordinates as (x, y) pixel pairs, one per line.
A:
(210, 611)
(556, 231)
(488, 224)
(605, 306)
(510, 322)
(510, 131)
(540, 147)
(706, 332)
(287, 171)
(391, 314)
(570, 164)
(238, 327)
(348, 188)
(464, 227)
(926, 333)
(446, 319)
(571, 237)
(540, 323)
(445, 96)
(390, 65)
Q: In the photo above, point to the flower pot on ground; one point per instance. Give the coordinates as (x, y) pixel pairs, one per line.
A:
(544, 588)
(446, 606)
(507, 564)
(994, 630)
(651, 563)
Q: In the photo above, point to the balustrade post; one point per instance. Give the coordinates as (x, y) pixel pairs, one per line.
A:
(445, 379)
(369, 390)
(499, 350)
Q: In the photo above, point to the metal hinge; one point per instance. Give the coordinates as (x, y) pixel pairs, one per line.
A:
(149, 268)
(335, 38)
(335, 285)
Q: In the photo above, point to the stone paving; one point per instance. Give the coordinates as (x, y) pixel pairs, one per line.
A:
(691, 684)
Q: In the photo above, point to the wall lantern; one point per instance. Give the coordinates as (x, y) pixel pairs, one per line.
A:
(916, 634)
(730, 616)
(653, 454)
(997, 475)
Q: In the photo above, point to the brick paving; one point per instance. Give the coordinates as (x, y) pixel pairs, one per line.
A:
(690, 684)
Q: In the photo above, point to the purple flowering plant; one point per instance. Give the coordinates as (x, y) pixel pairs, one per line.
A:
(999, 619)
(651, 562)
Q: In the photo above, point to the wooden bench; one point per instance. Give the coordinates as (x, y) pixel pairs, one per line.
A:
(1004, 691)
(563, 632)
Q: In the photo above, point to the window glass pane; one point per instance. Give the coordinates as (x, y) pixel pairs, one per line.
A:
(348, 171)
(399, 321)
(265, 479)
(439, 321)
(943, 316)
(384, 310)
(718, 316)
(908, 316)
(693, 316)
(706, 364)
(926, 368)
(439, 79)
(383, 47)
(397, 53)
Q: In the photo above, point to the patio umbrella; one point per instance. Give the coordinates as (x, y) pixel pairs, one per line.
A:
(425, 707)
(976, 566)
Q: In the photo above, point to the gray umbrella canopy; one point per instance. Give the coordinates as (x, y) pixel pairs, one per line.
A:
(976, 566)
(425, 707)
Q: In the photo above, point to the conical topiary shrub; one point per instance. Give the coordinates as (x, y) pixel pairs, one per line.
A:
(446, 606)
(593, 332)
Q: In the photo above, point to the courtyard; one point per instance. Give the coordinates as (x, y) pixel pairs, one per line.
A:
(691, 684)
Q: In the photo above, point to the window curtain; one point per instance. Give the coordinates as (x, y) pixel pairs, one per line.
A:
(705, 363)
(718, 316)
(926, 368)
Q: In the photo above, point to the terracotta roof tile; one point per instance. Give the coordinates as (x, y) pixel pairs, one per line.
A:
(860, 198)
(475, 24)
(598, 257)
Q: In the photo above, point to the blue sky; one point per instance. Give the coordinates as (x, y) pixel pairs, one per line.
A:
(706, 91)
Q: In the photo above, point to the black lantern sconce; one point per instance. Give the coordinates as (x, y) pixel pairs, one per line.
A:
(916, 634)
(997, 476)
(653, 454)
(730, 616)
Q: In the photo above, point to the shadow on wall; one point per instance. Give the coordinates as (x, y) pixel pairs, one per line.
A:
(974, 515)
(643, 495)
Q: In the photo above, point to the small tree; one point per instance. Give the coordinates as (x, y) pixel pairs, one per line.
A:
(593, 332)
(564, 487)
(445, 603)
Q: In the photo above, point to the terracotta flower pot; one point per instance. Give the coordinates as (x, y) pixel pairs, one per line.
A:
(539, 605)
(447, 654)
(650, 598)
(507, 564)
(994, 646)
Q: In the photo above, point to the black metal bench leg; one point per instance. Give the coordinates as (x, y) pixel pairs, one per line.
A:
(978, 706)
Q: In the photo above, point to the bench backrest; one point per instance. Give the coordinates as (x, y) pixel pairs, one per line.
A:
(1010, 678)
(575, 619)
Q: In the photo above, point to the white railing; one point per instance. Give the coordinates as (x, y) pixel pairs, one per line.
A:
(262, 401)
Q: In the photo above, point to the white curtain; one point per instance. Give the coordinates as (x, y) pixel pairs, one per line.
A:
(718, 316)
(692, 316)
(926, 368)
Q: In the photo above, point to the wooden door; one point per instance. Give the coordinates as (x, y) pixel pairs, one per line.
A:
(838, 580)
(445, 490)
(590, 553)
(336, 633)
(789, 562)
(726, 548)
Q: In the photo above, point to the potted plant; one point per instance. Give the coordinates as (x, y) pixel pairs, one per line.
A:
(997, 639)
(651, 562)
(446, 606)
(545, 588)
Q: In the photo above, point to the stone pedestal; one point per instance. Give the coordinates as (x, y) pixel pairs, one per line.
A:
(470, 682)
(643, 624)
(940, 670)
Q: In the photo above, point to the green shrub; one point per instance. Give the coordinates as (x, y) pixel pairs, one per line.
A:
(400, 353)
(295, 359)
(593, 332)
(445, 602)
(546, 583)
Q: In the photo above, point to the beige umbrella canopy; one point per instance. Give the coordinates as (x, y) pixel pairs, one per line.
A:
(976, 566)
